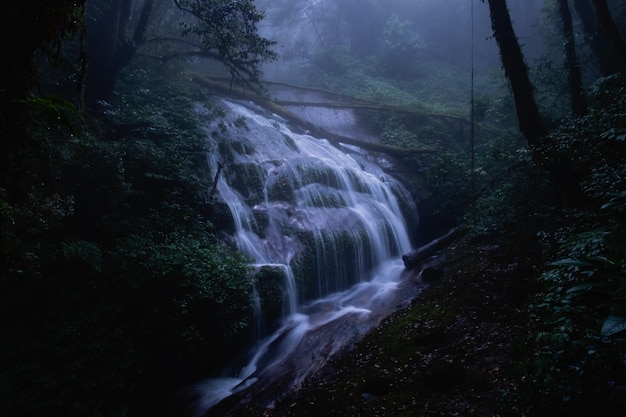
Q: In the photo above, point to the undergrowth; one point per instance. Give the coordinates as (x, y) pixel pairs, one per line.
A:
(575, 359)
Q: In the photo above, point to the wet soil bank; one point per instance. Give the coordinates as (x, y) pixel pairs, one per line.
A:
(451, 352)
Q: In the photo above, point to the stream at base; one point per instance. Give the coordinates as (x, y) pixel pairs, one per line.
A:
(306, 340)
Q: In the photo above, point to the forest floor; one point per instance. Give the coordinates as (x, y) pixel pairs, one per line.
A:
(452, 352)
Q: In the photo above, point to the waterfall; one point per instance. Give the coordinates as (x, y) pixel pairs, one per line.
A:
(329, 222)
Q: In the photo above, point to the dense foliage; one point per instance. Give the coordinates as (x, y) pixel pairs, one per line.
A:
(228, 29)
(575, 359)
(116, 287)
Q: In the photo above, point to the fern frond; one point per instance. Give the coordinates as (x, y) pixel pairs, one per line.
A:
(87, 252)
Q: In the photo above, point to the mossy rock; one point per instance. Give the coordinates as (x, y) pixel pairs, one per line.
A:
(280, 188)
(248, 180)
(334, 270)
(220, 214)
(270, 284)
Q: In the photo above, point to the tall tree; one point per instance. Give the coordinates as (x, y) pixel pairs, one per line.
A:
(600, 46)
(361, 23)
(530, 121)
(109, 47)
(574, 77)
(611, 29)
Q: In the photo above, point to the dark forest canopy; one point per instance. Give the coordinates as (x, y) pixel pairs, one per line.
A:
(225, 31)
(116, 287)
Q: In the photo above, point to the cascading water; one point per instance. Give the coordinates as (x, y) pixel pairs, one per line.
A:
(328, 221)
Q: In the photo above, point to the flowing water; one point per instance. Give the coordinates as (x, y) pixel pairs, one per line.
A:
(326, 225)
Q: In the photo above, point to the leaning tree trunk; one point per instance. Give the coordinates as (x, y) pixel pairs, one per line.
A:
(531, 123)
(574, 78)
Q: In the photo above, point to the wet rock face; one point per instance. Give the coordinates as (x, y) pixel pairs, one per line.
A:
(329, 214)
(270, 291)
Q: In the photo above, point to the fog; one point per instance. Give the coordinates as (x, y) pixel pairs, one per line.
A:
(406, 33)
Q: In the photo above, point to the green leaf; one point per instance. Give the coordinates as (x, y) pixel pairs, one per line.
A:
(613, 325)
(87, 252)
(570, 262)
(582, 287)
(618, 200)
(601, 259)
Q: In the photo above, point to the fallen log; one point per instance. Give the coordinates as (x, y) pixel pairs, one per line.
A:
(293, 118)
(413, 258)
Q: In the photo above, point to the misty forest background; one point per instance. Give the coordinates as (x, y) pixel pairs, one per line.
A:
(116, 286)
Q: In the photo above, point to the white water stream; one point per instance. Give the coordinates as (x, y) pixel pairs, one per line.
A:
(328, 220)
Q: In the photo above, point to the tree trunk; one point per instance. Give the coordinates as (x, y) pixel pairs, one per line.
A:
(109, 48)
(603, 51)
(106, 38)
(530, 121)
(612, 31)
(574, 78)
(361, 27)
